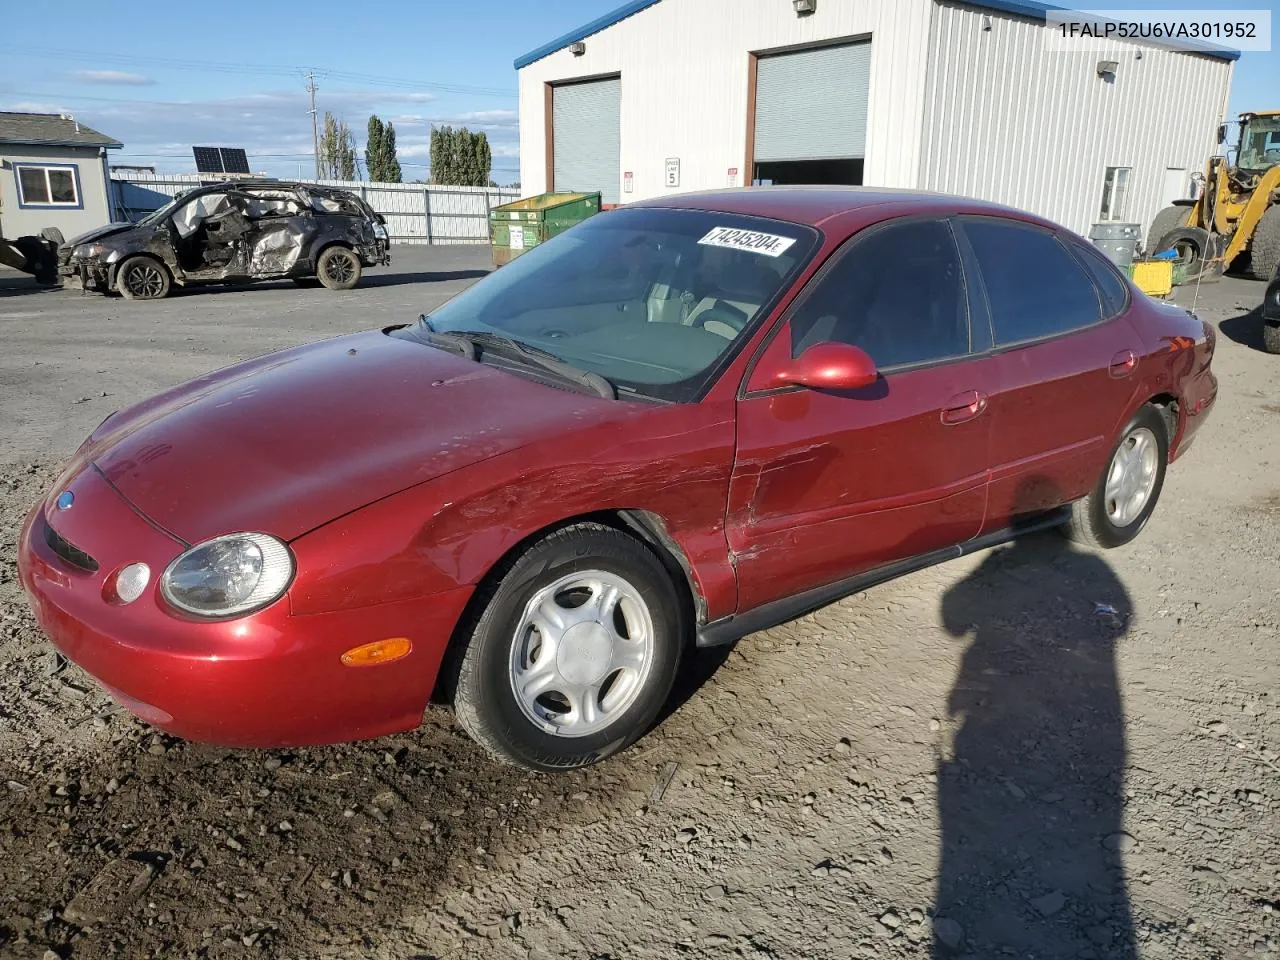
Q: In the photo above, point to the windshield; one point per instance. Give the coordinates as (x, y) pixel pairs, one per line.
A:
(1259, 144)
(655, 300)
(155, 216)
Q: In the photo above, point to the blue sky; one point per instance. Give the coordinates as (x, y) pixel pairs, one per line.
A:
(161, 78)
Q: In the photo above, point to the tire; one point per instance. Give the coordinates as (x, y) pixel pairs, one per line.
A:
(1264, 250)
(1098, 520)
(1195, 246)
(1164, 222)
(1271, 336)
(143, 278)
(542, 731)
(338, 268)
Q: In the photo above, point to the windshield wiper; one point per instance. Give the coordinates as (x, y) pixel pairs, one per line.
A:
(543, 359)
(471, 343)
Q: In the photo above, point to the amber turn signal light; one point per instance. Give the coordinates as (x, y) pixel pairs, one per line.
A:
(380, 651)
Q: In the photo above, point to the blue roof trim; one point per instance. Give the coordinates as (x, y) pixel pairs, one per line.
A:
(595, 26)
(1021, 8)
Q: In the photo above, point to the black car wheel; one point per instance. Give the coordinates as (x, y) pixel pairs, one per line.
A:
(339, 268)
(1118, 507)
(572, 652)
(142, 278)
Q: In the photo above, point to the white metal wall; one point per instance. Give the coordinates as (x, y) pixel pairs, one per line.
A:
(684, 85)
(416, 212)
(1007, 120)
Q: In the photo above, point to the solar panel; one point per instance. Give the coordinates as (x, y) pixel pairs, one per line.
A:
(208, 159)
(234, 160)
(221, 160)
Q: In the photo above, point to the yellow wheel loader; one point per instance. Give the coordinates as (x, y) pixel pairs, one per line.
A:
(1237, 212)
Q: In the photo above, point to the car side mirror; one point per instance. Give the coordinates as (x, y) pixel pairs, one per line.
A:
(829, 366)
(1222, 133)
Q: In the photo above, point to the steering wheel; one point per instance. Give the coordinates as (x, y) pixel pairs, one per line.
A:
(731, 317)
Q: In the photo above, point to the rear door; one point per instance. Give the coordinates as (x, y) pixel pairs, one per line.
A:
(1065, 362)
(828, 484)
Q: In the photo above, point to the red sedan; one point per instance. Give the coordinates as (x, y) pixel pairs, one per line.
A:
(677, 423)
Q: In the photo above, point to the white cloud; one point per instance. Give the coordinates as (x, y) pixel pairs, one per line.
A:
(112, 77)
(274, 126)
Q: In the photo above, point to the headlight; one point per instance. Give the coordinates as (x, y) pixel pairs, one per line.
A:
(88, 251)
(380, 231)
(228, 575)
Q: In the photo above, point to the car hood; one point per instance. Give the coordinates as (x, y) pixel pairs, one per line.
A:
(111, 229)
(286, 443)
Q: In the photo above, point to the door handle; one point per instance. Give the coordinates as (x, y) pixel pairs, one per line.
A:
(1122, 364)
(964, 406)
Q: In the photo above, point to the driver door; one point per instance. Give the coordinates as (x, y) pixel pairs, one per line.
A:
(830, 484)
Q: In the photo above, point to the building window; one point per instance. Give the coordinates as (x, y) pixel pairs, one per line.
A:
(1115, 193)
(48, 185)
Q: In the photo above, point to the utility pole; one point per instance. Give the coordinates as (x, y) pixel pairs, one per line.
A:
(315, 129)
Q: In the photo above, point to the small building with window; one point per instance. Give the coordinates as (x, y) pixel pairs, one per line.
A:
(53, 173)
(967, 98)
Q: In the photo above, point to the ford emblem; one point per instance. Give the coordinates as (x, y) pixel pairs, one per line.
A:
(65, 499)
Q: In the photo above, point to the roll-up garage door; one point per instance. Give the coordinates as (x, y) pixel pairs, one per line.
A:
(586, 136)
(812, 104)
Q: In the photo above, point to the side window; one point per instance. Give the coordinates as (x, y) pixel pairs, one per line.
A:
(1035, 288)
(898, 293)
(1112, 289)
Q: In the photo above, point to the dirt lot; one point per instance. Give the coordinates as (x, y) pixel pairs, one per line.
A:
(1071, 754)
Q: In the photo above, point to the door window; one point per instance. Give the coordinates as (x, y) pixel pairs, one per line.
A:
(897, 292)
(1111, 289)
(1035, 288)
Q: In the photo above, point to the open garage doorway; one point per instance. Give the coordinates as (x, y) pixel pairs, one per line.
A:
(807, 118)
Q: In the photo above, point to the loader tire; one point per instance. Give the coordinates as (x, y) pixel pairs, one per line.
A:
(1167, 220)
(1264, 256)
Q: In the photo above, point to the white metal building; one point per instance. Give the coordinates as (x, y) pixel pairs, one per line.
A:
(675, 95)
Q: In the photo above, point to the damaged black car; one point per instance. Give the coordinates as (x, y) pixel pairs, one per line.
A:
(234, 232)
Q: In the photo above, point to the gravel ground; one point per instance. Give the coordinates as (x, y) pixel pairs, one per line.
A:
(1067, 753)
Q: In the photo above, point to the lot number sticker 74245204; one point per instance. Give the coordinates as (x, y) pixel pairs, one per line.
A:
(769, 244)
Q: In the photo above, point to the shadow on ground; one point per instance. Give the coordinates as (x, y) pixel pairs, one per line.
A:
(1031, 799)
(1245, 329)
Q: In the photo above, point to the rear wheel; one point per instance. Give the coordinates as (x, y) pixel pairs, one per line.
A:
(1264, 249)
(1118, 507)
(573, 652)
(339, 268)
(142, 278)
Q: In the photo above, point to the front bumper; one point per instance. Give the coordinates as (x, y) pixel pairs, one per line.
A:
(270, 679)
(92, 273)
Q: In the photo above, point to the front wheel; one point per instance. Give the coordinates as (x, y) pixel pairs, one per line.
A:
(339, 268)
(1118, 507)
(142, 278)
(574, 650)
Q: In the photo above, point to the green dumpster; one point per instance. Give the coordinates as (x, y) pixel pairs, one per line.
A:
(516, 226)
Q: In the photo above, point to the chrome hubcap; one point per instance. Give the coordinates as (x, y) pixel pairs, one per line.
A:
(581, 653)
(1131, 476)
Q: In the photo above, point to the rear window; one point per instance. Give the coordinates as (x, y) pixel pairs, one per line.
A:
(1034, 287)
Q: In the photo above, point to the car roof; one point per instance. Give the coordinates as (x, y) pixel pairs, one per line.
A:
(815, 205)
